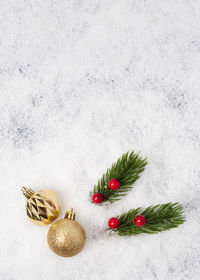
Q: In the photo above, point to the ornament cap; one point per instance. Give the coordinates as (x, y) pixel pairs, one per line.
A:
(70, 215)
(27, 192)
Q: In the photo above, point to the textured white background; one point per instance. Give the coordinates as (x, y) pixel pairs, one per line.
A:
(82, 82)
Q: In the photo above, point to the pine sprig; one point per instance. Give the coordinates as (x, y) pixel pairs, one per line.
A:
(158, 218)
(126, 170)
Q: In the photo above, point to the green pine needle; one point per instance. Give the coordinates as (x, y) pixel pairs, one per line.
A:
(158, 218)
(126, 170)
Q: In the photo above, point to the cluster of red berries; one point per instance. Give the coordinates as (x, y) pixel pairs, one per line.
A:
(114, 223)
(139, 220)
(113, 185)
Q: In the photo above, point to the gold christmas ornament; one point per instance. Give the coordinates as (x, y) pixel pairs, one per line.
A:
(42, 207)
(66, 237)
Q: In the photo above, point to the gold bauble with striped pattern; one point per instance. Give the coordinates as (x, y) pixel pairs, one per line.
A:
(42, 207)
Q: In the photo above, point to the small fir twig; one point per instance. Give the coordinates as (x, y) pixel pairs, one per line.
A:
(126, 170)
(157, 218)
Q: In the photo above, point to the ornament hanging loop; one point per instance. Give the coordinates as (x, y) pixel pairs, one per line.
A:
(27, 192)
(70, 215)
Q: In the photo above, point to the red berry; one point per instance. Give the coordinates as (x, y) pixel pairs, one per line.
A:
(113, 223)
(97, 198)
(140, 221)
(113, 184)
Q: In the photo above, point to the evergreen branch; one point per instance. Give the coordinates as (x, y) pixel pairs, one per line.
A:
(158, 218)
(126, 170)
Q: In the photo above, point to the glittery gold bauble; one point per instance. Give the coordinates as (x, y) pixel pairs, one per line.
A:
(66, 237)
(42, 207)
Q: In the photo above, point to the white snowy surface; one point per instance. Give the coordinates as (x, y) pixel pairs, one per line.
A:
(82, 82)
